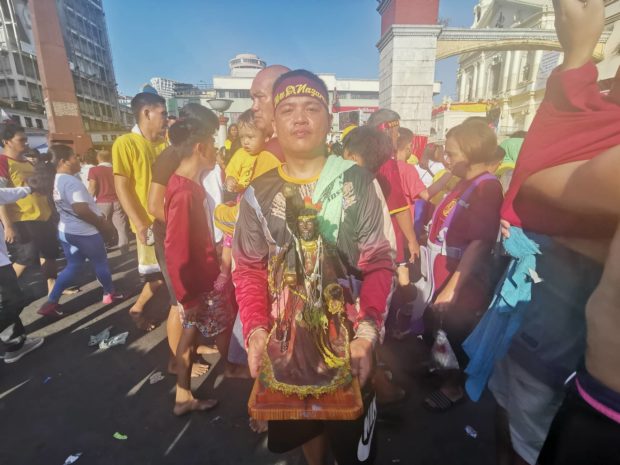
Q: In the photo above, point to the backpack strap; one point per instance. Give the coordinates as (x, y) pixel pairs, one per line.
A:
(462, 202)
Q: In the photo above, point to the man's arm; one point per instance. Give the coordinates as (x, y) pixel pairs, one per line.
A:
(250, 254)
(376, 263)
(13, 194)
(9, 232)
(405, 223)
(579, 24)
(92, 187)
(130, 203)
(155, 202)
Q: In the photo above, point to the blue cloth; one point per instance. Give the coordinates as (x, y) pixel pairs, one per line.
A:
(77, 249)
(491, 339)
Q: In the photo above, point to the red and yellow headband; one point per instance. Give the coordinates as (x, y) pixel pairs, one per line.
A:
(299, 86)
(389, 125)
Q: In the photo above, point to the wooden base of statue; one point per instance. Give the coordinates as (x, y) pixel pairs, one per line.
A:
(344, 404)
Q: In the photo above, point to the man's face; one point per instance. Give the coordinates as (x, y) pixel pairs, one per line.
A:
(262, 103)
(302, 124)
(18, 144)
(156, 119)
(252, 139)
(73, 163)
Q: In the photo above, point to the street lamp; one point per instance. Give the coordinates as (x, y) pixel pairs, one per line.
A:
(220, 105)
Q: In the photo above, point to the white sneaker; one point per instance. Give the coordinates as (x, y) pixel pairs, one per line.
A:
(30, 344)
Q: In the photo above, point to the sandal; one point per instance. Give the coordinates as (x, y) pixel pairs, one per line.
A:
(437, 401)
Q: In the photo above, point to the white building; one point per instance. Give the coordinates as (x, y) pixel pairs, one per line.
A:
(356, 98)
(511, 81)
(163, 86)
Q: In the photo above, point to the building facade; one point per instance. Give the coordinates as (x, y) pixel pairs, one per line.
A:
(87, 46)
(163, 86)
(513, 82)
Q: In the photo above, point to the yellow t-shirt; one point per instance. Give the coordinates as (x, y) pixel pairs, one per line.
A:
(245, 167)
(442, 193)
(133, 156)
(13, 173)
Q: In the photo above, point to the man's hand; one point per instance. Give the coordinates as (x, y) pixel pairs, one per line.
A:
(505, 228)
(579, 24)
(361, 359)
(9, 234)
(445, 300)
(414, 251)
(141, 232)
(256, 349)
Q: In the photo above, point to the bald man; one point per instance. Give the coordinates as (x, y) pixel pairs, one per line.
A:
(262, 104)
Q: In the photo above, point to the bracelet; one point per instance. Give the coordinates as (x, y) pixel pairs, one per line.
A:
(259, 328)
(367, 330)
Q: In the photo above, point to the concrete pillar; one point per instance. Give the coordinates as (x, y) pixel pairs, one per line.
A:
(482, 78)
(474, 83)
(515, 70)
(506, 71)
(407, 73)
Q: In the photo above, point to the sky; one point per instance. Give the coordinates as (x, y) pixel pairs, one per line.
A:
(192, 40)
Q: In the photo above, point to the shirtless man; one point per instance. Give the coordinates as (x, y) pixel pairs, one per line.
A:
(564, 196)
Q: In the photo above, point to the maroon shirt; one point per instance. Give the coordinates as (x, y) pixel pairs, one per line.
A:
(104, 177)
(190, 254)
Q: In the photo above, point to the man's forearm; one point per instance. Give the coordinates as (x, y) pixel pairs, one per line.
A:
(130, 203)
(4, 217)
(405, 223)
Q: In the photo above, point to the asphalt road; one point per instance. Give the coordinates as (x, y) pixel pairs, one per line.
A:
(67, 398)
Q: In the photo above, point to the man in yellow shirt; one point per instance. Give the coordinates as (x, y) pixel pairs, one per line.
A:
(30, 235)
(133, 155)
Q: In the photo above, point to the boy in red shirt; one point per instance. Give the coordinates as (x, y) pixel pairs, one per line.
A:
(191, 256)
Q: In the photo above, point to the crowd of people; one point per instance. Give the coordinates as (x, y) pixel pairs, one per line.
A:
(503, 257)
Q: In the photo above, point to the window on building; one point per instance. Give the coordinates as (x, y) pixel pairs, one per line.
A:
(39, 123)
(28, 121)
(16, 119)
(239, 93)
(105, 137)
(18, 63)
(364, 95)
(113, 136)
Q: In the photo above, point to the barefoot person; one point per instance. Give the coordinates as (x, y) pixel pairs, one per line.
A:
(191, 255)
(353, 219)
(163, 169)
(560, 210)
(132, 157)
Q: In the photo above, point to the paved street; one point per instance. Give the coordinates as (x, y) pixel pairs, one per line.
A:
(68, 397)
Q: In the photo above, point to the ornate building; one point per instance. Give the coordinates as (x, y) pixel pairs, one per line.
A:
(513, 82)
